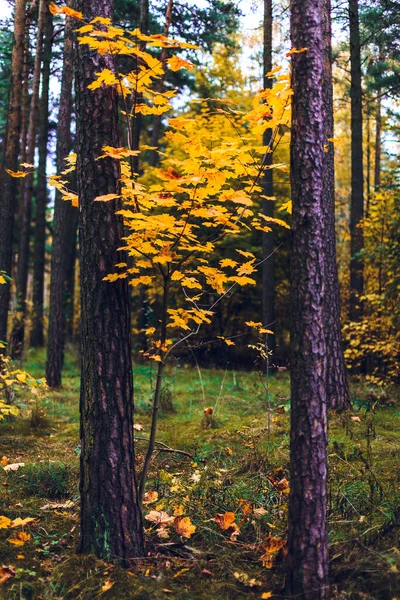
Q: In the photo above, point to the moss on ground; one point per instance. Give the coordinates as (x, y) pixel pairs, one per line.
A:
(239, 463)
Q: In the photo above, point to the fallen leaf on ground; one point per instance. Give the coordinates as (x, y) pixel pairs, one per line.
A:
(259, 512)
(5, 522)
(19, 539)
(107, 585)
(272, 546)
(18, 522)
(183, 526)
(159, 517)
(138, 427)
(4, 461)
(13, 467)
(356, 419)
(266, 595)
(6, 573)
(150, 497)
(225, 521)
(56, 505)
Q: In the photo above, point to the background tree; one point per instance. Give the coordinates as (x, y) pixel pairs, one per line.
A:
(64, 223)
(8, 185)
(308, 541)
(336, 376)
(111, 525)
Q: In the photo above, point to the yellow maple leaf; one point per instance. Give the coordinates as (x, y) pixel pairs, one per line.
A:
(17, 174)
(175, 63)
(20, 538)
(2, 279)
(5, 522)
(107, 585)
(65, 10)
(184, 527)
(106, 198)
(18, 522)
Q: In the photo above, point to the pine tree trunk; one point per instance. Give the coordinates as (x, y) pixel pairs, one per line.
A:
(37, 331)
(336, 377)
(18, 331)
(111, 522)
(357, 176)
(64, 217)
(268, 293)
(307, 543)
(378, 144)
(11, 144)
(70, 270)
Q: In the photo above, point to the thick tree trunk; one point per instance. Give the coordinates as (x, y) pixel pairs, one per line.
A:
(336, 377)
(308, 543)
(37, 331)
(18, 331)
(111, 522)
(268, 293)
(65, 219)
(357, 176)
(8, 185)
(378, 144)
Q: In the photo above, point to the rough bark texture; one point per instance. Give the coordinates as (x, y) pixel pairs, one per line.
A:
(8, 185)
(307, 543)
(18, 330)
(111, 525)
(65, 219)
(268, 293)
(357, 176)
(336, 376)
(37, 331)
(70, 270)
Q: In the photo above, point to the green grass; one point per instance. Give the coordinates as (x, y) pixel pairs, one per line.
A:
(234, 462)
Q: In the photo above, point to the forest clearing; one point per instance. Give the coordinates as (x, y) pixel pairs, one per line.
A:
(199, 299)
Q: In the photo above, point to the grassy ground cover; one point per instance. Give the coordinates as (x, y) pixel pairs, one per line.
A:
(233, 487)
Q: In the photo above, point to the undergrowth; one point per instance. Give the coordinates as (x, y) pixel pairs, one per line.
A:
(238, 464)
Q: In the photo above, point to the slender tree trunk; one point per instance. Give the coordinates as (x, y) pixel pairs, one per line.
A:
(156, 131)
(357, 176)
(336, 377)
(70, 270)
(378, 144)
(111, 522)
(268, 294)
(18, 331)
(8, 185)
(65, 219)
(308, 542)
(368, 182)
(39, 252)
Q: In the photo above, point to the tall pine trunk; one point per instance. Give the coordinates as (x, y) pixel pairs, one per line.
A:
(111, 522)
(308, 542)
(11, 145)
(39, 250)
(336, 377)
(18, 330)
(65, 219)
(378, 144)
(357, 176)
(268, 293)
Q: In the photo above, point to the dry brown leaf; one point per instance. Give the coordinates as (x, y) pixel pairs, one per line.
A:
(56, 505)
(6, 573)
(138, 427)
(226, 521)
(272, 546)
(356, 419)
(13, 467)
(150, 497)
(159, 517)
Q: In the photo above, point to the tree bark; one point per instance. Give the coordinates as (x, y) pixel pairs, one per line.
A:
(70, 270)
(65, 220)
(378, 144)
(268, 293)
(18, 331)
(336, 376)
(111, 522)
(39, 251)
(357, 176)
(307, 543)
(8, 185)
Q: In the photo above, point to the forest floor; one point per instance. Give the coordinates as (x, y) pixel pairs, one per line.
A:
(238, 464)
